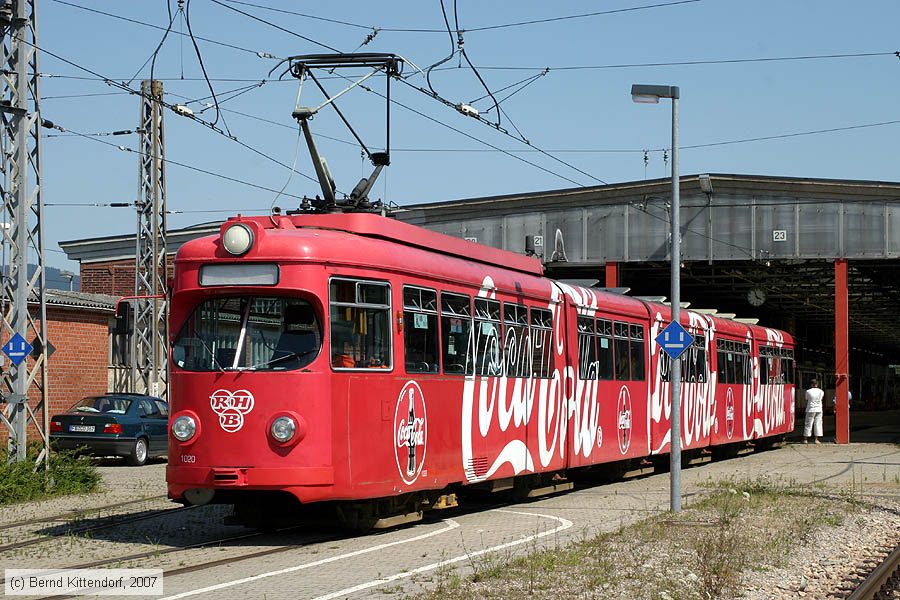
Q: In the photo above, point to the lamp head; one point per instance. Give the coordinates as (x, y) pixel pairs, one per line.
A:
(650, 94)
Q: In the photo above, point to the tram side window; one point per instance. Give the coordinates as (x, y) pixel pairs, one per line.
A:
(517, 344)
(775, 375)
(636, 333)
(360, 324)
(420, 331)
(623, 360)
(739, 370)
(665, 366)
(587, 349)
(694, 361)
(456, 327)
(488, 342)
(787, 366)
(541, 343)
(605, 369)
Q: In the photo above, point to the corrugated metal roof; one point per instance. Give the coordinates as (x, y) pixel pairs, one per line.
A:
(103, 302)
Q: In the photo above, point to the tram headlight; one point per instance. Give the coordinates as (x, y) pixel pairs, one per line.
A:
(283, 429)
(184, 428)
(237, 239)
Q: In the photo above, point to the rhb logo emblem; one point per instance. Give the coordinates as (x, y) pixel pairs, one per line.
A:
(410, 432)
(231, 408)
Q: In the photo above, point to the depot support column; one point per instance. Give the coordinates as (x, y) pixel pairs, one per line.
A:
(841, 353)
(612, 274)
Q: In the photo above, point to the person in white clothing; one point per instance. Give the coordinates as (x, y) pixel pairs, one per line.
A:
(813, 424)
(849, 398)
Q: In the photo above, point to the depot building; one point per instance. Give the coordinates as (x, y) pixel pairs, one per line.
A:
(819, 258)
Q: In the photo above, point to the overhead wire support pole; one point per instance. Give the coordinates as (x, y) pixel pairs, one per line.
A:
(24, 380)
(149, 357)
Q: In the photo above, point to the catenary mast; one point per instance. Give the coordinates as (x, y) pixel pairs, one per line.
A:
(24, 378)
(149, 357)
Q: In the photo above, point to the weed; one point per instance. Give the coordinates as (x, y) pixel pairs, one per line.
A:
(66, 474)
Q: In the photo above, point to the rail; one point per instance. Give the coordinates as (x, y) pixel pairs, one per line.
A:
(883, 573)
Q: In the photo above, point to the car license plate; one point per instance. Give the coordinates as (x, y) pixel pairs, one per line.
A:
(82, 428)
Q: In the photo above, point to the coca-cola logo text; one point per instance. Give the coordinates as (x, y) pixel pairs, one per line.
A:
(410, 432)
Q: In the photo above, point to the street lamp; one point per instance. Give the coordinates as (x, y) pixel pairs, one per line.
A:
(650, 94)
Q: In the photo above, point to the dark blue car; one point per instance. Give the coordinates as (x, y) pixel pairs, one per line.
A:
(129, 425)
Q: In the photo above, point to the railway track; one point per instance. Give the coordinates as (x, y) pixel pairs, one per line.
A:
(113, 522)
(313, 539)
(883, 581)
(74, 514)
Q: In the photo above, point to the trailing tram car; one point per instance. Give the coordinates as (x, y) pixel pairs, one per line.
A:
(353, 361)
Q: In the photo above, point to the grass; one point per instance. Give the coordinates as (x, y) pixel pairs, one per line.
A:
(25, 481)
(702, 552)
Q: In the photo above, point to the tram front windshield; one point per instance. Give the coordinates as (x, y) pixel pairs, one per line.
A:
(254, 333)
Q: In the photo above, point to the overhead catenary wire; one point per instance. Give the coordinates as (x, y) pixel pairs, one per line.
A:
(167, 105)
(276, 26)
(472, 137)
(176, 163)
(687, 63)
(465, 55)
(152, 26)
(503, 131)
(187, 19)
(445, 59)
(485, 28)
(242, 89)
(393, 101)
(642, 151)
(524, 83)
(152, 58)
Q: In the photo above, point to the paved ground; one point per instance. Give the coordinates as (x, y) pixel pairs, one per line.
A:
(320, 564)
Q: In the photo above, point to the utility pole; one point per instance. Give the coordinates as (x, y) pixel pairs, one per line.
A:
(149, 356)
(24, 331)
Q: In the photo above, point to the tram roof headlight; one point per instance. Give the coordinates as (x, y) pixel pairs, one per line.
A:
(184, 428)
(283, 429)
(237, 239)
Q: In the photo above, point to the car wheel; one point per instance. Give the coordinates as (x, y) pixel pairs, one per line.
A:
(138, 454)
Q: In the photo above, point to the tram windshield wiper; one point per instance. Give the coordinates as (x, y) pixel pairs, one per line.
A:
(272, 361)
(211, 353)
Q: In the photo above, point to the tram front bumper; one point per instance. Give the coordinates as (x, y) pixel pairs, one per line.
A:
(181, 478)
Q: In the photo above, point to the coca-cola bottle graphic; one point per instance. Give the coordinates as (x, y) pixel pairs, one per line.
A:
(411, 436)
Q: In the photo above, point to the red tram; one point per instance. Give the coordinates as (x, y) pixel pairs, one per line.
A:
(355, 358)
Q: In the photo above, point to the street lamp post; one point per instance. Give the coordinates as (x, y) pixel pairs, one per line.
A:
(651, 94)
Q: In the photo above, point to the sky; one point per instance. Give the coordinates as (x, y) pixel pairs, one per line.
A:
(581, 124)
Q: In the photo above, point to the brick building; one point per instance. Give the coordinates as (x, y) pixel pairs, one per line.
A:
(78, 328)
(107, 263)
